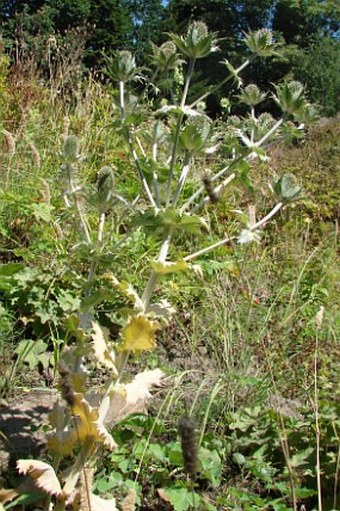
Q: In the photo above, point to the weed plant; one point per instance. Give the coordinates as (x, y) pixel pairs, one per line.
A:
(100, 236)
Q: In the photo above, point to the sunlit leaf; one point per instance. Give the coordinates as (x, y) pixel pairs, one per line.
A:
(99, 504)
(139, 334)
(131, 397)
(43, 475)
(88, 424)
(104, 355)
(126, 289)
(169, 267)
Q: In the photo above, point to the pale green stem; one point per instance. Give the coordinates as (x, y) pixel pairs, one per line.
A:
(85, 451)
(152, 282)
(270, 132)
(154, 176)
(182, 179)
(208, 249)
(130, 143)
(220, 84)
(252, 113)
(149, 289)
(73, 191)
(254, 227)
(317, 421)
(261, 222)
(178, 129)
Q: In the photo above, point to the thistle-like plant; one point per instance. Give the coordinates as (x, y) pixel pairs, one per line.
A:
(166, 151)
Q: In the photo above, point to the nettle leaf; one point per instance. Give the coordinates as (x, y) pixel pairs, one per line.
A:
(181, 499)
(42, 211)
(104, 355)
(139, 334)
(42, 474)
(211, 465)
(33, 352)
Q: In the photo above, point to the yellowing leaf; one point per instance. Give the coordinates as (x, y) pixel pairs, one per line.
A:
(88, 424)
(43, 475)
(63, 442)
(100, 339)
(170, 267)
(139, 334)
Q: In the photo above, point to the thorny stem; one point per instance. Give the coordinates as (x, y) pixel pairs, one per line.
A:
(261, 222)
(254, 227)
(178, 128)
(221, 83)
(130, 144)
(73, 191)
(182, 179)
(317, 421)
(208, 249)
(270, 132)
(219, 174)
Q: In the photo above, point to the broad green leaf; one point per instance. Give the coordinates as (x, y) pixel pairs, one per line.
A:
(10, 269)
(181, 499)
(32, 352)
(211, 465)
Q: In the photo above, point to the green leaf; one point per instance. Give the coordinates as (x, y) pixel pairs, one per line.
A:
(181, 499)
(287, 189)
(211, 465)
(157, 452)
(42, 211)
(239, 458)
(68, 302)
(156, 220)
(25, 499)
(32, 352)
(10, 268)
